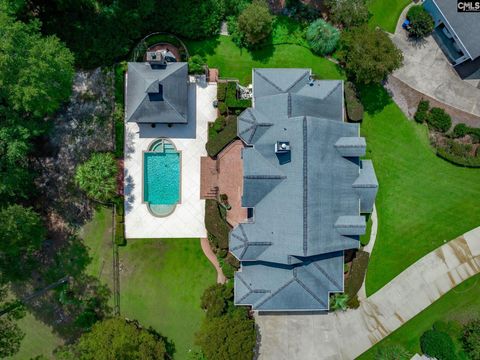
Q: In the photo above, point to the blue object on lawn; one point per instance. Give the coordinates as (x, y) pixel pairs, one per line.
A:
(405, 24)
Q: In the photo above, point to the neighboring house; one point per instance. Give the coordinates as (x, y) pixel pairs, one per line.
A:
(457, 32)
(305, 188)
(157, 91)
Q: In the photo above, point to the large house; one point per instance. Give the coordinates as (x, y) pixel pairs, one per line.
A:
(305, 187)
(456, 32)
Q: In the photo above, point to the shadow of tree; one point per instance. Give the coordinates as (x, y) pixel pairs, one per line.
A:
(203, 47)
(374, 97)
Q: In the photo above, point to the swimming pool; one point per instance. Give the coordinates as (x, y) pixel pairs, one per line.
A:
(161, 177)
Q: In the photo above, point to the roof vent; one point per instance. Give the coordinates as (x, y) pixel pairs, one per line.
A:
(282, 147)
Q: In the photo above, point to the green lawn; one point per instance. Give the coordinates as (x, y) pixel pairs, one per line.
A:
(385, 13)
(39, 339)
(459, 304)
(161, 283)
(422, 199)
(233, 62)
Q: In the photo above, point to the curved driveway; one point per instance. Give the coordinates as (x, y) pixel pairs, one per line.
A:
(346, 335)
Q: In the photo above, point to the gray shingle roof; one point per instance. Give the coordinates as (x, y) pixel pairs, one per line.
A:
(157, 94)
(465, 25)
(306, 204)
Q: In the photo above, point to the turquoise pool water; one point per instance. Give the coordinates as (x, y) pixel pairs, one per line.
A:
(161, 177)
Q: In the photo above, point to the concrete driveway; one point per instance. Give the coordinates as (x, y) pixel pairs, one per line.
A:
(427, 70)
(346, 335)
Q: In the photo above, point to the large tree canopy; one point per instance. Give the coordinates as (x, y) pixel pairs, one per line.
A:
(349, 13)
(255, 23)
(114, 339)
(36, 72)
(21, 234)
(11, 335)
(369, 54)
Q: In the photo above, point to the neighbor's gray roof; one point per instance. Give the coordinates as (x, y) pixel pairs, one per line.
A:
(157, 94)
(465, 25)
(307, 202)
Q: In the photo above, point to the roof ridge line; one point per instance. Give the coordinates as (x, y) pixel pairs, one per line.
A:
(269, 81)
(297, 81)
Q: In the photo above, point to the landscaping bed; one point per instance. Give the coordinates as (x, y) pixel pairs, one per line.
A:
(220, 134)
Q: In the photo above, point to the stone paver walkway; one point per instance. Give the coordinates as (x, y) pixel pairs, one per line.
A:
(207, 250)
(346, 335)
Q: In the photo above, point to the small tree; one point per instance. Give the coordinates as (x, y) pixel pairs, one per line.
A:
(369, 55)
(98, 177)
(438, 345)
(322, 37)
(227, 337)
(421, 22)
(421, 114)
(349, 13)
(116, 338)
(471, 339)
(255, 23)
(21, 234)
(196, 64)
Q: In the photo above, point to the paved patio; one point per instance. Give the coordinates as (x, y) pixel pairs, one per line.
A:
(187, 221)
(346, 335)
(225, 176)
(427, 70)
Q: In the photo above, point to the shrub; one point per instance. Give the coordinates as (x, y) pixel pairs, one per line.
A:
(215, 224)
(354, 281)
(231, 98)
(322, 37)
(219, 124)
(196, 64)
(349, 13)
(460, 130)
(369, 54)
(392, 352)
(439, 119)
(421, 114)
(471, 339)
(221, 91)
(438, 345)
(222, 108)
(353, 105)
(339, 302)
(227, 269)
(421, 22)
(218, 142)
(255, 23)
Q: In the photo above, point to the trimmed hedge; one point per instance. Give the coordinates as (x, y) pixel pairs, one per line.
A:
(354, 281)
(221, 91)
(216, 224)
(438, 345)
(353, 105)
(466, 161)
(222, 108)
(219, 140)
(119, 223)
(231, 98)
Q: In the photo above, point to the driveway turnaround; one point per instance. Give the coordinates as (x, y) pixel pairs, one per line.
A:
(427, 70)
(346, 335)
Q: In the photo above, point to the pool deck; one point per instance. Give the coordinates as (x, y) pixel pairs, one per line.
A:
(187, 221)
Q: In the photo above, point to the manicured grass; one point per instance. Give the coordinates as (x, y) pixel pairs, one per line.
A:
(97, 236)
(459, 304)
(161, 282)
(233, 62)
(385, 13)
(39, 339)
(423, 200)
